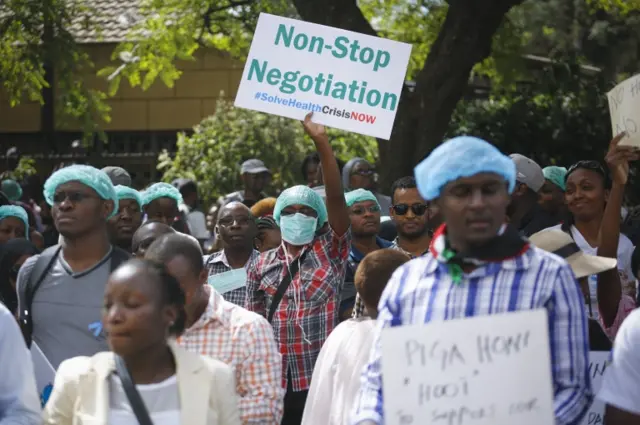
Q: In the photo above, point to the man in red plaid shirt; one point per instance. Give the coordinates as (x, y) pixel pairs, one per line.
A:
(309, 268)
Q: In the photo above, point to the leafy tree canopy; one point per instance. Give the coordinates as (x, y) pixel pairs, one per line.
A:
(212, 155)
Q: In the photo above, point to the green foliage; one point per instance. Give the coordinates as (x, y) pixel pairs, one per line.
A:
(415, 22)
(34, 33)
(212, 155)
(173, 30)
(558, 120)
(26, 167)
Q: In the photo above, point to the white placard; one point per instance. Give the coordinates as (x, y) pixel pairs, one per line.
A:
(349, 80)
(624, 107)
(44, 371)
(598, 362)
(489, 370)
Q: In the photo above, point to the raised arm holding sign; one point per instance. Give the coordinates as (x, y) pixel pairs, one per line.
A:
(624, 107)
(348, 80)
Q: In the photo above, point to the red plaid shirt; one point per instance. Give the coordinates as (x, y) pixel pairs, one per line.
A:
(308, 311)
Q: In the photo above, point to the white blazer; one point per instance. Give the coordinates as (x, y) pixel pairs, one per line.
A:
(80, 393)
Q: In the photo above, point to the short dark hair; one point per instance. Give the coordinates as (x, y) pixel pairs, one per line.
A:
(408, 182)
(189, 188)
(172, 293)
(374, 271)
(311, 158)
(171, 245)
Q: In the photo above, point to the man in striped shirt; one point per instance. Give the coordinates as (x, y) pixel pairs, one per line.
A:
(478, 266)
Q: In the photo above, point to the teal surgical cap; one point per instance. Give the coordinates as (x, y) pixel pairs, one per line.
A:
(556, 176)
(461, 157)
(161, 190)
(359, 195)
(301, 195)
(125, 192)
(88, 176)
(12, 189)
(17, 212)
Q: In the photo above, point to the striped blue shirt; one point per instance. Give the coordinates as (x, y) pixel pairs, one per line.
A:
(422, 291)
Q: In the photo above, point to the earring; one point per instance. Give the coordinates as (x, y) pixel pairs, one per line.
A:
(171, 324)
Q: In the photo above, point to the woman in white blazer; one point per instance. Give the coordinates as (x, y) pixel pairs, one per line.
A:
(143, 312)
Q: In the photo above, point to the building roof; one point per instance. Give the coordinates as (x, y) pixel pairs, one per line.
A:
(107, 21)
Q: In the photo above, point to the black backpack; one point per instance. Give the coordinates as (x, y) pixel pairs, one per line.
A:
(40, 270)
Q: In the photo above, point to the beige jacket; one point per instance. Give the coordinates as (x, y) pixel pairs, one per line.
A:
(80, 393)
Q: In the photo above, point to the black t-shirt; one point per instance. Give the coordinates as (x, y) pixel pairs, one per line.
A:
(598, 340)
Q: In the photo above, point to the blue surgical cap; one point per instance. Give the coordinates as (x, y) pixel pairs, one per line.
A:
(359, 195)
(88, 176)
(17, 212)
(301, 195)
(556, 175)
(161, 190)
(461, 157)
(126, 192)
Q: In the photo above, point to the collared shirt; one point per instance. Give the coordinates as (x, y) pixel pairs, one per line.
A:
(217, 263)
(355, 257)
(308, 311)
(423, 291)
(19, 403)
(244, 341)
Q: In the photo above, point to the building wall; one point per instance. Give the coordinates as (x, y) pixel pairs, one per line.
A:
(192, 98)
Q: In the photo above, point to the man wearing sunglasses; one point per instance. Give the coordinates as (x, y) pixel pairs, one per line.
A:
(364, 213)
(411, 215)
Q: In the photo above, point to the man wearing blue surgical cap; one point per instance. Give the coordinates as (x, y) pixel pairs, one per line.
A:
(478, 266)
(297, 285)
(61, 291)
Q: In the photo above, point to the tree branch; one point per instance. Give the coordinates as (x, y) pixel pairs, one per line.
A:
(343, 14)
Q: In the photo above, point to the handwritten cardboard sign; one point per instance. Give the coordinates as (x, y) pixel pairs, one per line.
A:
(624, 108)
(490, 370)
(598, 361)
(348, 80)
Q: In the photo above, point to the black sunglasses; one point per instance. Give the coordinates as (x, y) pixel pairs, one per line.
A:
(418, 209)
(73, 197)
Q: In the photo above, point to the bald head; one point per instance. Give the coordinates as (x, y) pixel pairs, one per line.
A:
(236, 226)
(146, 235)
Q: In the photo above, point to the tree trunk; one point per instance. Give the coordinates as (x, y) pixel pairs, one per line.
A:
(423, 116)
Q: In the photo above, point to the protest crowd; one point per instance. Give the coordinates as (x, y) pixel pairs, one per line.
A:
(483, 288)
(122, 306)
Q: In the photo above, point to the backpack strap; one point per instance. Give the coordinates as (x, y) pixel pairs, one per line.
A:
(28, 289)
(33, 281)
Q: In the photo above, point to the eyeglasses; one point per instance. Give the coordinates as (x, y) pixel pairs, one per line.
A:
(228, 221)
(418, 209)
(363, 172)
(73, 197)
(362, 210)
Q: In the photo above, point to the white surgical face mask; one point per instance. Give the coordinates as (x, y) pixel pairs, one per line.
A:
(298, 229)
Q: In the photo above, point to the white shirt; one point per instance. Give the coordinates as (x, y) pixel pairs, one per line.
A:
(196, 221)
(162, 401)
(621, 384)
(625, 251)
(336, 376)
